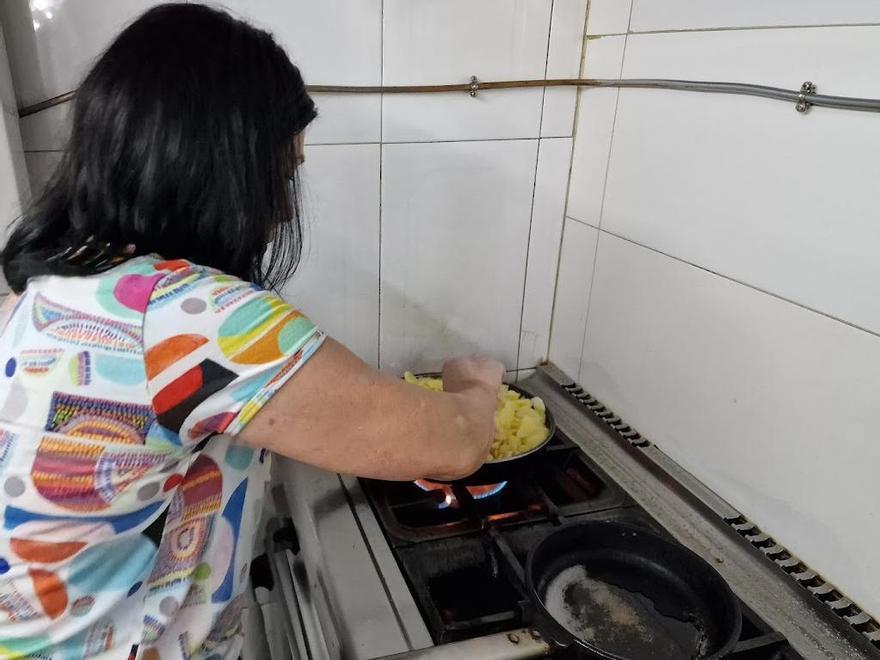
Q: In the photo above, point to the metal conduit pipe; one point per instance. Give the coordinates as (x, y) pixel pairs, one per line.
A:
(803, 99)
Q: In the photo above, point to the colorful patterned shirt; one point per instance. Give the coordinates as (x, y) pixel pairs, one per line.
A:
(120, 396)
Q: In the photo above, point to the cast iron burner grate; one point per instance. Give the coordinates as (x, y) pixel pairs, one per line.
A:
(463, 551)
(563, 484)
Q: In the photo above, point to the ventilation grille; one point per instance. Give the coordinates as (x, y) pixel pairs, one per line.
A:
(605, 414)
(808, 579)
(837, 603)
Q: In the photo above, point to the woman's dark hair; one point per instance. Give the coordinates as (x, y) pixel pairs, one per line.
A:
(182, 145)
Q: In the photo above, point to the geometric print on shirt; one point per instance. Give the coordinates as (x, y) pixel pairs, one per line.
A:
(128, 510)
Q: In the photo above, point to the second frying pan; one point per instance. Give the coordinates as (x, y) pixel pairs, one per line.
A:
(608, 590)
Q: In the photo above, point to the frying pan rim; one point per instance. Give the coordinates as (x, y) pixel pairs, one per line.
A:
(725, 593)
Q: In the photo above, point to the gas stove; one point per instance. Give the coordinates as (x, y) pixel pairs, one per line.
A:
(452, 542)
(374, 569)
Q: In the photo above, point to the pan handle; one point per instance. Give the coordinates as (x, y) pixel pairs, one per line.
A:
(529, 606)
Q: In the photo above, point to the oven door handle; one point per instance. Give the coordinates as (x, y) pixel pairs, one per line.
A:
(519, 644)
(290, 606)
(300, 604)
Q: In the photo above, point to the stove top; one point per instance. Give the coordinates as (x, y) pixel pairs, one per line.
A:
(462, 550)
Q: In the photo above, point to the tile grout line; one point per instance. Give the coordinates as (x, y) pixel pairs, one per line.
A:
(602, 204)
(525, 280)
(731, 28)
(743, 28)
(731, 279)
(577, 110)
(381, 181)
(447, 141)
(376, 142)
(582, 222)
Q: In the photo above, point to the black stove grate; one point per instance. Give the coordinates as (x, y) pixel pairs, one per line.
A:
(565, 483)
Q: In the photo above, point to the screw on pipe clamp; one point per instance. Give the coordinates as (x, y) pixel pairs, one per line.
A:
(807, 89)
(474, 87)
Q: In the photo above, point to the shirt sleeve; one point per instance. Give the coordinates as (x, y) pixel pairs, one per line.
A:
(216, 349)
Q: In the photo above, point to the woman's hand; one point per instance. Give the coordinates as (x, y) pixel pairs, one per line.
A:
(476, 380)
(463, 374)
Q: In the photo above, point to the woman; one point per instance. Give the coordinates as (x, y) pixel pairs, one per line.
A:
(148, 366)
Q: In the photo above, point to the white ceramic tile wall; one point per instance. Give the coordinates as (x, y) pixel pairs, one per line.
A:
(518, 214)
(52, 42)
(609, 16)
(336, 42)
(603, 58)
(345, 49)
(346, 119)
(14, 183)
(338, 281)
(40, 166)
(455, 233)
(838, 59)
(7, 87)
(14, 178)
(748, 187)
(714, 362)
(573, 295)
(47, 130)
(651, 15)
(428, 42)
(551, 183)
(774, 406)
(563, 61)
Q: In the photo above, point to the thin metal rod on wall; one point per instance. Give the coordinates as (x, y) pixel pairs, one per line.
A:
(803, 99)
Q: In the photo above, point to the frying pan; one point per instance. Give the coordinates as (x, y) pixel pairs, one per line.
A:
(494, 472)
(610, 590)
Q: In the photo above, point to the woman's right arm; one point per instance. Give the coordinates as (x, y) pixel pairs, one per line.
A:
(341, 415)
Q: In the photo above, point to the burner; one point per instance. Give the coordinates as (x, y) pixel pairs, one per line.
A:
(449, 498)
(563, 483)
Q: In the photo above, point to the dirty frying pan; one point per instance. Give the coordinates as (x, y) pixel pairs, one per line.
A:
(503, 469)
(609, 590)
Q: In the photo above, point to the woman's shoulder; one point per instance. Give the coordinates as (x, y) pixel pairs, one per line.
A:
(144, 284)
(196, 286)
(179, 267)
